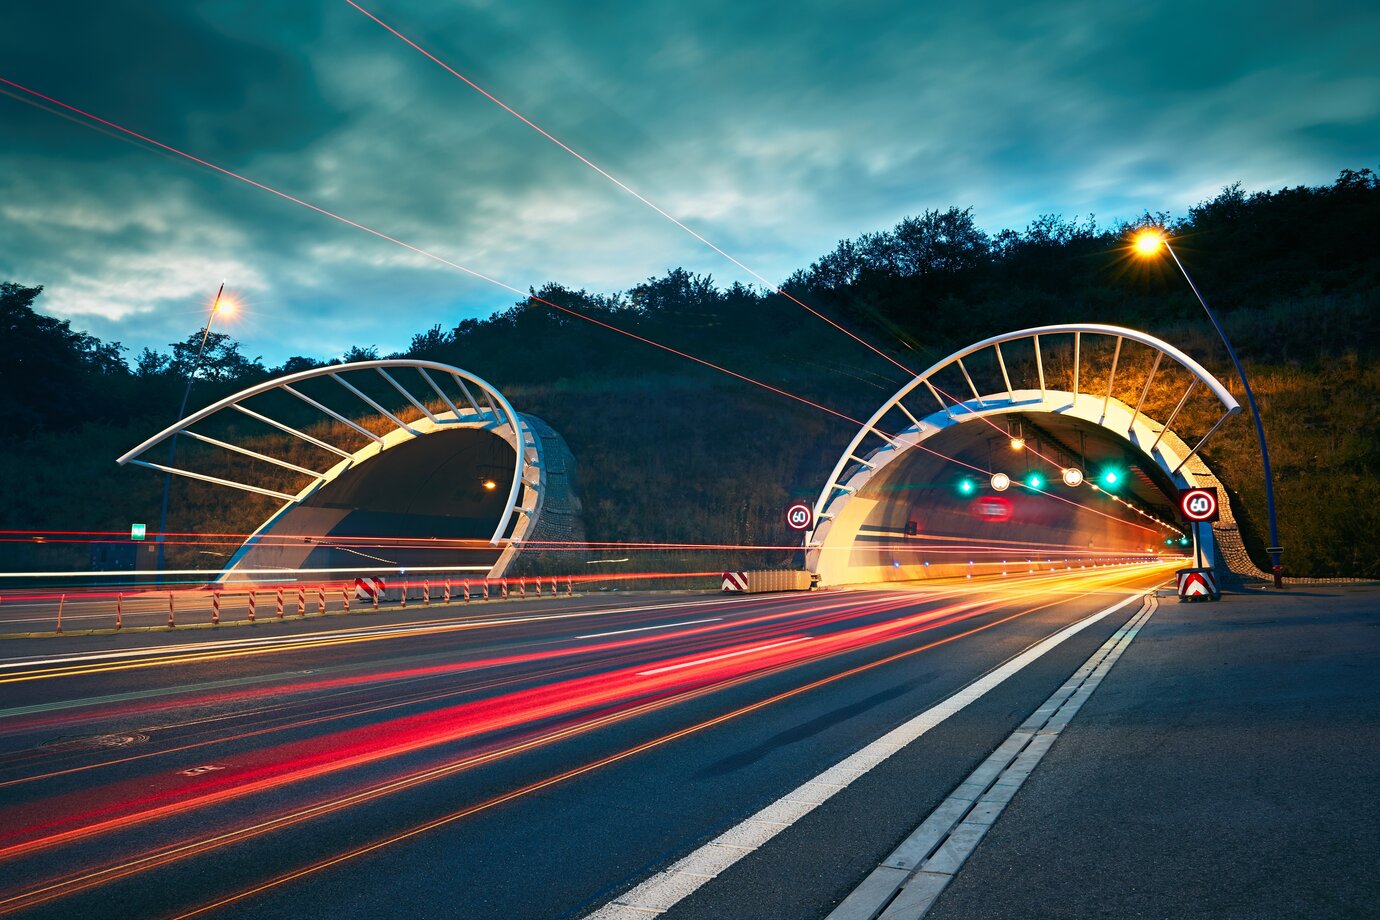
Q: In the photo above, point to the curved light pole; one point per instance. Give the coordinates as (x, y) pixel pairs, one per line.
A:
(1147, 243)
(181, 413)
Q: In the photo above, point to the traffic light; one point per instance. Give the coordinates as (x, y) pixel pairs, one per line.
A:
(966, 486)
(1111, 477)
(1035, 481)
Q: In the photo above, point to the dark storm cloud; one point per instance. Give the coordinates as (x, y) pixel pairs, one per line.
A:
(775, 130)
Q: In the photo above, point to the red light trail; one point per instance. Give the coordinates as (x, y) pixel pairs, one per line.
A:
(688, 664)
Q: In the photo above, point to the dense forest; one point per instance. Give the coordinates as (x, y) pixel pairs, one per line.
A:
(670, 450)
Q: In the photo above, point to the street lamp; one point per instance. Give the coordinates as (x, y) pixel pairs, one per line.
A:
(219, 305)
(1148, 243)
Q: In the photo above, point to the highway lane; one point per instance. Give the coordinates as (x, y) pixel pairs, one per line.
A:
(528, 760)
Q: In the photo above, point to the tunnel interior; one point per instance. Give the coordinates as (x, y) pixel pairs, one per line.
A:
(923, 514)
(404, 507)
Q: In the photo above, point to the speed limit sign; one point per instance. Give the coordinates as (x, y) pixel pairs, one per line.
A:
(1198, 504)
(800, 516)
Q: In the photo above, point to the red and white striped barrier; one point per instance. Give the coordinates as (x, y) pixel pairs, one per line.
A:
(253, 605)
(280, 603)
(215, 608)
(368, 589)
(735, 581)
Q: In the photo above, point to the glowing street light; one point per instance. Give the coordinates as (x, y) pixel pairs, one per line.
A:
(1073, 477)
(1001, 482)
(221, 304)
(1147, 243)
(489, 485)
(1018, 443)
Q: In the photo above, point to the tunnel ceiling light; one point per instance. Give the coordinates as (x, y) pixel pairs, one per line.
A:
(1111, 478)
(1001, 482)
(1018, 443)
(490, 485)
(1073, 476)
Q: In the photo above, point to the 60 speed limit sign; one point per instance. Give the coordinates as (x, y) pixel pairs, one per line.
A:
(800, 516)
(1198, 505)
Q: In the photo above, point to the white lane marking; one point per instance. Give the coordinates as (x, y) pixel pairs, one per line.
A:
(364, 632)
(909, 881)
(744, 651)
(669, 886)
(619, 632)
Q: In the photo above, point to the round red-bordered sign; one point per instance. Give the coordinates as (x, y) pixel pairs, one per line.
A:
(1198, 505)
(800, 516)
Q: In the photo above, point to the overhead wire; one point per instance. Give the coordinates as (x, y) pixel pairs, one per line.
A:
(168, 148)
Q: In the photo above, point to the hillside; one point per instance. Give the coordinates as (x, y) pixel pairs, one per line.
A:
(673, 451)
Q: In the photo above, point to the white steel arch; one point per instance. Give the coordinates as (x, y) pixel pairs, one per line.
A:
(468, 400)
(858, 465)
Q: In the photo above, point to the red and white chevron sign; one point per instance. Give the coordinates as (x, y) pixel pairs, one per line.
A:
(735, 581)
(1196, 583)
(366, 589)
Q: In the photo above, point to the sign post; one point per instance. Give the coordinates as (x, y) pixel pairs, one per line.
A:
(1198, 506)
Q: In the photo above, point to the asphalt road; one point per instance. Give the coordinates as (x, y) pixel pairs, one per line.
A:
(1226, 769)
(533, 759)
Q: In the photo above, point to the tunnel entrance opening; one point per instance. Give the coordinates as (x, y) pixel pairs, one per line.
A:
(389, 467)
(1014, 477)
(432, 502)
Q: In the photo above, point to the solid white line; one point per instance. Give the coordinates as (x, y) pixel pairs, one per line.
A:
(619, 632)
(669, 886)
(908, 882)
(745, 651)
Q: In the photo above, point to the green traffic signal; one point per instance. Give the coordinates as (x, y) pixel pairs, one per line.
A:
(966, 486)
(1035, 481)
(1110, 478)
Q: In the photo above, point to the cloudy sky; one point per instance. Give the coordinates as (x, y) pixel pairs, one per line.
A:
(773, 129)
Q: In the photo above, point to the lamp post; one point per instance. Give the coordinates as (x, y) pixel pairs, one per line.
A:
(181, 413)
(1148, 243)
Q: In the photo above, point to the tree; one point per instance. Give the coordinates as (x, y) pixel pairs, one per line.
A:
(220, 360)
(50, 374)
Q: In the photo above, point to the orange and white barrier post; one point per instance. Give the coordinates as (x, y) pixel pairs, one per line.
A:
(280, 602)
(301, 602)
(171, 621)
(61, 601)
(569, 588)
(253, 605)
(345, 600)
(404, 595)
(447, 595)
(321, 600)
(426, 594)
(215, 608)
(465, 589)
(119, 611)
